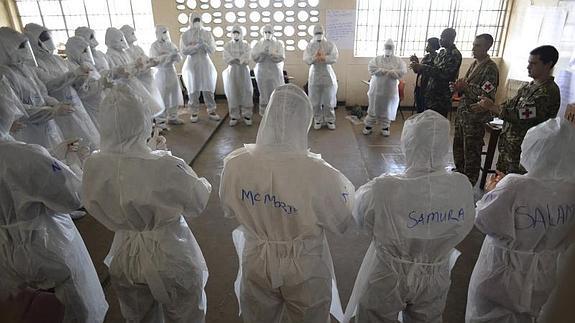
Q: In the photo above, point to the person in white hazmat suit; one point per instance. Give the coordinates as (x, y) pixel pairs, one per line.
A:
(89, 35)
(527, 220)
(89, 88)
(18, 66)
(237, 80)
(58, 77)
(285, 199)
(407, 266)
(320, 54)
(165, 76)
(146, 76)
(199, 73)
(385, 71)
(39, 245)
(269, 55)
(157, 269)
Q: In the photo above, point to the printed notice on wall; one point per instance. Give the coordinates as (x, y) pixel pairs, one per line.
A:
(340, 27)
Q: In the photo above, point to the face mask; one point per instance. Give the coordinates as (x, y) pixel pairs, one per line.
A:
(268, 36)
(165, 36)
(196, 24)
(87, 56)
(318, 37)
(236, 36)
(24, 55)
(388, 52)
(93, 41)
(123, 44)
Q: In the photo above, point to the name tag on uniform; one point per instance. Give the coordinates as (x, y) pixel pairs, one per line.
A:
(527, 113)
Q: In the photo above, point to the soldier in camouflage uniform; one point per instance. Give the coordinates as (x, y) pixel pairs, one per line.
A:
(534, 103)
(480, 80)
(421, 80)
(445, 69)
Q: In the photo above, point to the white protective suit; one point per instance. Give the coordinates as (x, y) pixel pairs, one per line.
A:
(527, 220)
(156, 266)
(416, 219)
(236, 77)
(58, 77)
(89, 88)
(199, 73)
(165, 76)
(320, 54)
(385, 71)
(146, 76)
(39, 245)
(269, 55)
(89, 35)
(285, 198)
(18, 67)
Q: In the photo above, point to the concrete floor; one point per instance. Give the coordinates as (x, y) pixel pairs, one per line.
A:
(359, 157)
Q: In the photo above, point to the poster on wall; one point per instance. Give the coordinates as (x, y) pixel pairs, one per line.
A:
(340, 27)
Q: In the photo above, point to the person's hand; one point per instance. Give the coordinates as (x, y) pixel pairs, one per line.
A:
(486, 104)
(493, 180)
(51, 101)
(73, 145)
(414, 59)
(17, 126)
(459, 85)
(63, 109)
(83, 70)
(416, 67)
(570, 113)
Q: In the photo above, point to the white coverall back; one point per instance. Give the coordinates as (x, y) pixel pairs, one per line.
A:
(416, 219)
(285, 199)
(40, 246)
(527, 220)
(157, 268)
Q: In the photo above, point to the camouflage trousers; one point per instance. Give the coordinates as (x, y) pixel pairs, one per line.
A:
(438, 102)
(509, 147)
(467, 146)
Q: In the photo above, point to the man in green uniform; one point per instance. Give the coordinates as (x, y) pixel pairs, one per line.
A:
(534, 103)
(480, 80)
(445, 69)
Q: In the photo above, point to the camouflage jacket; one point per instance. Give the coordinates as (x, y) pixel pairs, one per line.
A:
(482, 80)
(422, 80)
(445, 69)
(533, 104)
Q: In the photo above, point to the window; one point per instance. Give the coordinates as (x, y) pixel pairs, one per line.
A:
(220, 15)
(411, 22)
(62, 17)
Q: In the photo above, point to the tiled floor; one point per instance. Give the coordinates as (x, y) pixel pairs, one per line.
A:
(359, 157)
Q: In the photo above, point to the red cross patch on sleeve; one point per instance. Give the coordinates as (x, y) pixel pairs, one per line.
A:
(487, 87)
(527, 113)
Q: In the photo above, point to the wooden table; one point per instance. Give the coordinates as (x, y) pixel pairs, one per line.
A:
(494, 132)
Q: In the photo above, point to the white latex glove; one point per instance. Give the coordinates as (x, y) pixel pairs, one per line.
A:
(51, 101)
(63, 109)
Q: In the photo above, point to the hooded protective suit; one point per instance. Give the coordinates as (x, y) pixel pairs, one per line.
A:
(58, 77)
(117, 48)
(285, 198)
(39, 245)
(527, 220)
(269, 55)
(100, 59)
(237, 80)
(416, 219)
(385, 71)
(166, 77)
(146, 75)
(16, 58)
(154, 259)
(320, 54)
(89, 88)
(199, 73)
